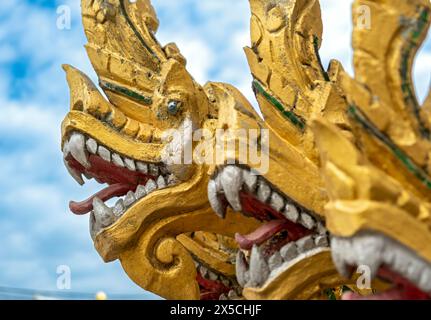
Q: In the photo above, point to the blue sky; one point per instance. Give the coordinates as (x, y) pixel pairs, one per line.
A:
(37, 231)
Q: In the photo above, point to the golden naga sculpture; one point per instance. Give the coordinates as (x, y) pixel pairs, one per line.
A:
(163, 228)
(378, 180)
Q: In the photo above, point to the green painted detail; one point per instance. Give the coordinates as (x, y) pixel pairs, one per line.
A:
(291, 116)
(126, 92)
(409, 49)
(316, 43)
(411, 166)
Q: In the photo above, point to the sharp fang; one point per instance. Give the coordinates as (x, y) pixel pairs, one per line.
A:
(140, 192)
(153, 170)
(277, 202)
(275, 261)
(250, 181)
(161, 183)
(129, 199)
(105, 154)
(74, 174)
(338, 248)
(102, 213)
(231, 180)
(117, 160)
(321, 241)
(94, 226)
(151, 186)
(305, 244)
(263, 192)
(172, 180)
(119, 208)
(130, 164)
(92, 146)
(291, 213)
(307, 221)
(259, 270)
(289, 252)
(241, 269)
(142, 167)
(215, 201)
(77, 149)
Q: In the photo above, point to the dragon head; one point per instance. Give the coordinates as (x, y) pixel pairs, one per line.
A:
(378, 180)
(137, 141)
(288, 256)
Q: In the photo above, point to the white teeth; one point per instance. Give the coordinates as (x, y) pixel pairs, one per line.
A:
(263, 192)
(150, 186)
(153, 170)
(203, 271)
(425, 281)
(321, 241)
(140, 192)
(117, 160)
(215, 201)
(119, 208)
(75, 174)
(291, 213)
(94, 226)
(277, 202)
(289, 251)
(130, 164)
(172, 180)
(305, 244)
(212, 276)
(339, 248)
(231, 180)
(129, 199)
(241, 269)
(104, 153)
(161, 183)
(102, 213)
(259, 270)
(307, 221)
(77, 149)
(275, 261)
(92, 146)
(321, 228)
(250, 181)
(142, 167)
(365, 249)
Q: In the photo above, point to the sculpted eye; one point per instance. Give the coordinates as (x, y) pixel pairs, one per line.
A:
(173, 107)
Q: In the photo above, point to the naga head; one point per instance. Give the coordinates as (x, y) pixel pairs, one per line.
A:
(288, 256)
(378, 179)
(135, 139)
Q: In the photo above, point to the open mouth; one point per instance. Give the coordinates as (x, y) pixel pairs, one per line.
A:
(289, 233)
(126, 179)
(214, 285)
(409, 275)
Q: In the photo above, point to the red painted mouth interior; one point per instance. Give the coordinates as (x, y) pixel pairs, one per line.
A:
(402, 289)
(120, 181)
(211, 290)
(275, 233)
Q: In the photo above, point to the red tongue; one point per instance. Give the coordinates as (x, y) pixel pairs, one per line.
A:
(263, 233)
(115, 190)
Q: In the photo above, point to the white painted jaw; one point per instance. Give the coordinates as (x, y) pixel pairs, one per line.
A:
(376, 250)
(254, 269)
